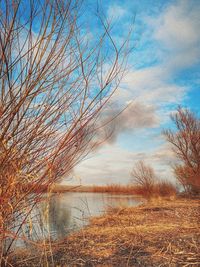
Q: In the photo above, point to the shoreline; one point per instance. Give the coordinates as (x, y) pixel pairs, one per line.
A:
(112, 189)
(165, 233)
(158, 233)
(160, 189)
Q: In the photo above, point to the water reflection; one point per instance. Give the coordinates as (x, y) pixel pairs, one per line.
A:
(59, 218)
(67, 212)
(70, 211)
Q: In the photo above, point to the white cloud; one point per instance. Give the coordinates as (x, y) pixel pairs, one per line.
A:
(113, 164)
(178, 32)
(110, 165)
(115, 12)
(151, 86)
(178, 27)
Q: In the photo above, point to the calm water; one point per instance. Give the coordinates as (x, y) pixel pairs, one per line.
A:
(69, 212)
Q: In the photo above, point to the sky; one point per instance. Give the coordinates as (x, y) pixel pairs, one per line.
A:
(163, 73)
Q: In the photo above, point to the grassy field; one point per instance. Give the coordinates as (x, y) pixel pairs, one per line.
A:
(160, 233)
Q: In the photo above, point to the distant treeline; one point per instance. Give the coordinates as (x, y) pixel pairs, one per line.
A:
(160, 189)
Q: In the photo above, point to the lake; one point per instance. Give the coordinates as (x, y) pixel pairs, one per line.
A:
(72, 210)
(68, 212)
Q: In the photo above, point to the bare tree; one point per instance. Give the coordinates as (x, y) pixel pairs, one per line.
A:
(144, 176)
(54, 83)
(185, 142)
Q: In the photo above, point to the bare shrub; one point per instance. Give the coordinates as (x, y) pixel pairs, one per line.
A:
(165, 188)
(54, 83)
(185, 141)
(144, 176)
(117, 188)
(189, 179)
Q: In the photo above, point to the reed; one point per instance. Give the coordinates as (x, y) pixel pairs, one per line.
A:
(117, 188)
(162, 188)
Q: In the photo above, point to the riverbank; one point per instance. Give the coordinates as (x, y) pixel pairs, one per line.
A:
(160, 233)
(162, 188)
(112, 188)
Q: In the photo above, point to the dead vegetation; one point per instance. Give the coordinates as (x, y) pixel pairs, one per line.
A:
(185, 142)
(159, 189)
(144, 178)
(162, 188)
(54, 83)
(117, 188)
(162, 233)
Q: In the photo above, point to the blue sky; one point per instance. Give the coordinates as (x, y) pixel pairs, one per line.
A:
(163, 73)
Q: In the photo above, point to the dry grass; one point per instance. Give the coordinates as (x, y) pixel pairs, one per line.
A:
(165, 188)
(161, 188)
(110, 188)
(164, 233)
(117, 188)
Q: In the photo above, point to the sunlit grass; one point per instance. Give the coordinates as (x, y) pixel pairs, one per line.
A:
(153, 234)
